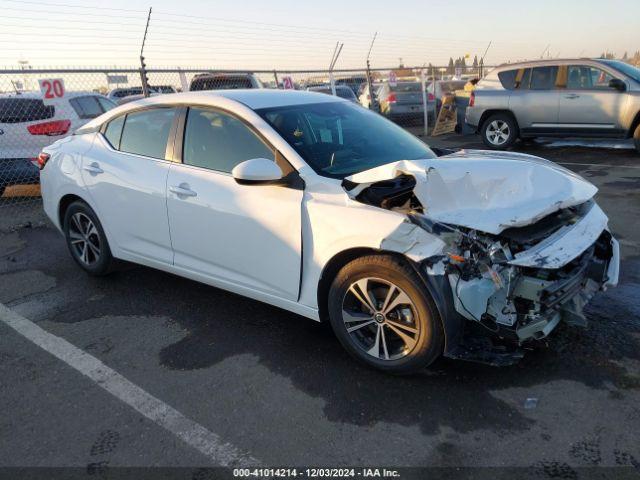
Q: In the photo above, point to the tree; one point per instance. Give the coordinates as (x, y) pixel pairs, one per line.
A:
(451, 69)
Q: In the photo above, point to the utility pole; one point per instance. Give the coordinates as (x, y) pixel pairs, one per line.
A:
(143, 66)
(482, 60)
(369, 82)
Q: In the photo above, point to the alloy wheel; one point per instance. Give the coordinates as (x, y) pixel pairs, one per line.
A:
(380, 318)
(498, 132)
(84, 238)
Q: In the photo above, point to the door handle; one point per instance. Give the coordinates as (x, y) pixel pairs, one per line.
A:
(182, 190)
(93, 168)
(571, 96)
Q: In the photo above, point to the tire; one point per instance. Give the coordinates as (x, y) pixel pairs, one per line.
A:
(499, 131)
(371, 334)
(86, 239)
(636, 138)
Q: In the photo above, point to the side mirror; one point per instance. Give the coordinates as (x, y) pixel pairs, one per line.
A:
(257, 171)
(617, 84)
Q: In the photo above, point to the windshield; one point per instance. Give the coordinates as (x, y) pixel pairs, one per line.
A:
(338, 139)
(629, 70)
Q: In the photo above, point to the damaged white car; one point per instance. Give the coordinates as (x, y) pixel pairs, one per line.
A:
(318, 206)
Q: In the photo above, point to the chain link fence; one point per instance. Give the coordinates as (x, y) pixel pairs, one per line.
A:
(40, 106)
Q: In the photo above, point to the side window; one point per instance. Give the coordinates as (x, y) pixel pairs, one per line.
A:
(106, 104)
(508, 79)
(86, 107)
(114, 130)
(583, 77)
(543, 78)
(146, 132)
(219, 141)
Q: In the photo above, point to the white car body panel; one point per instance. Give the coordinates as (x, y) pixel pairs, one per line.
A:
(130, 195)
(566, 244)
(488, 192)
(248, 235)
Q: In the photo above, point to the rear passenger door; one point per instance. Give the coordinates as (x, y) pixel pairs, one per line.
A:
(535, 99)
(588, 105)
(126, 173)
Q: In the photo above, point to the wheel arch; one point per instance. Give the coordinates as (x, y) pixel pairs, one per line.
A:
(437, 286)
(64, 204)
(634, 125)
(487, 113)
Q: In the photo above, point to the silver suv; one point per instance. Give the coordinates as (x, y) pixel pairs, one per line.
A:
(557, 98)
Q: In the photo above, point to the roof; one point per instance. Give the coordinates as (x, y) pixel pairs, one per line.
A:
(549, 61)
(235, 100)
(266, 98)
(254, 98)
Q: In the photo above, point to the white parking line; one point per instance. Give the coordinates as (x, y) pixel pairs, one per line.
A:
(192, 433)
(598, 165)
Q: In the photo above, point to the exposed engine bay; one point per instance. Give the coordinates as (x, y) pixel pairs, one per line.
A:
(517, 276)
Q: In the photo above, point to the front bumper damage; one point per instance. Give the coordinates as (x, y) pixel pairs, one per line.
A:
(518, 277)
(524, 296)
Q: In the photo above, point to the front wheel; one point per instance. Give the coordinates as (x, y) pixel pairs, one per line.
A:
(86, 240)
(499, 131)
(383, 315)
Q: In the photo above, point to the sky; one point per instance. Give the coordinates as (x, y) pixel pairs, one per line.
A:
(288, 34)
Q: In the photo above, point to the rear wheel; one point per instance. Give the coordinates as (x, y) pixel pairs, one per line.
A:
(383, 315)
(86, 240)
(499, 131)
(636, 138)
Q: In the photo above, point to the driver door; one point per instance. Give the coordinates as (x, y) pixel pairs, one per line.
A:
(245, 235)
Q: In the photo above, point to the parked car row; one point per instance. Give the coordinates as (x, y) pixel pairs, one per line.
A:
(557, 98)
(27, 125)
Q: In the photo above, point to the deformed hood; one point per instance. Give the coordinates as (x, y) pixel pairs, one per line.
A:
(484, 190)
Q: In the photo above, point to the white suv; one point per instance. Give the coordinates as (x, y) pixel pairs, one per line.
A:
(27, 125)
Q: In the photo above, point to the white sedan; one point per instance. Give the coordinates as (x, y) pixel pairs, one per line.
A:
(315, 205)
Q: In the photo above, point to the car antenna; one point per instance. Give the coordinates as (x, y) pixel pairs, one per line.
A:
(143, 66)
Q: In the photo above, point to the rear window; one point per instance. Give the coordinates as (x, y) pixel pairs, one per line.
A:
(220, 83)
(406, 87)
(508, 79)
(126, 92)
(20, 110)
(90, 106)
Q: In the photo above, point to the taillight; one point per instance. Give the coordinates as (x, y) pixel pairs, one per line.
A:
(472, 99)
(431, 97)
(57, 127)
(391, 98)
(43, 158)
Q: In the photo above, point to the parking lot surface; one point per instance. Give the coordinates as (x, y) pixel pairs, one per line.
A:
(279, 389)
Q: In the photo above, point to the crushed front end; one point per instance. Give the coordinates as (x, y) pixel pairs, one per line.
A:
(511, 242)
(521, 283)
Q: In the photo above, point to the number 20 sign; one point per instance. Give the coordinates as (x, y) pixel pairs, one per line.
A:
(51, 88)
